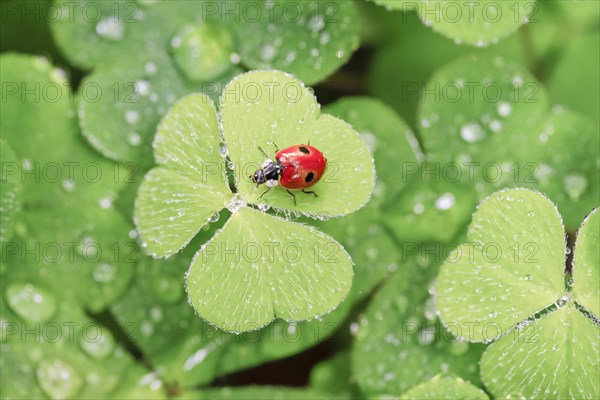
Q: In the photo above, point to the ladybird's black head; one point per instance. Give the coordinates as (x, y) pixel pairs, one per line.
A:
(258, 177)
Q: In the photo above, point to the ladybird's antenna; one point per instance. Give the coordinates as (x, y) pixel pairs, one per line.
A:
(276, 148)
(308, 142)
(262, 151)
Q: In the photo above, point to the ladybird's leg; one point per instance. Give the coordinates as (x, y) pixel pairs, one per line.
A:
(265, 192)
(262, 151)
(293, 195)
(310, 192)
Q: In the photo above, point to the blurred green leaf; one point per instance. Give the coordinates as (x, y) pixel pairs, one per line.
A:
(390, 140)
(400, 341)
(581, 94)
(334, 376)
(51, 349)
(309, 39)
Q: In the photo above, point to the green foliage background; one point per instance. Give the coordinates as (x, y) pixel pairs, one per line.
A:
(87, 313)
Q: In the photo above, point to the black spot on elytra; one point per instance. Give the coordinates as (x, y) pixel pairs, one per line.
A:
(304, 150)
(309, 177)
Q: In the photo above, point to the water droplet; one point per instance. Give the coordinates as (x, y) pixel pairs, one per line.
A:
(418, 208)
(97, 346)
(150, 68)
(504, 109)
(146, 328)
(215, 217)
(58, 379)
(156, 314)
(264, 207)
(340, 53)
(268, 53)
(68, 185)
(495, 126)
(134, 139)
(575, 185)
(314, 52)
(104, 272)
(30, 302)
(316, 22)
(325, 38)
(445, 202)
(528, 277)
(111, 28)
(236, 203)
(203, 52)
(132, 117)
(472, 133)
(105, 202)
(142, 88)
(223, 150)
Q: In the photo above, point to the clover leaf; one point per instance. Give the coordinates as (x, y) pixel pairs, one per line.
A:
(478, 24)
(249, 273)
(491, 118)
(10, 195)
(445, 387)
(507, 284)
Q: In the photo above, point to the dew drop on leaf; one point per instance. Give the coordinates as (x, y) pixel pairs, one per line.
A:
(575, 186)
(445, 202)
(68, 185)
(111, 28)
(142, 87)
(472, 133)
(215, 217)
(58, 379)
(97, 346)
(504, 109)
(132, 117)
(150, 68)
(104, 272)
(30, 302)
(134, 139)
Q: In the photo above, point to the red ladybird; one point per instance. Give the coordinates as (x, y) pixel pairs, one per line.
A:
(297, 167)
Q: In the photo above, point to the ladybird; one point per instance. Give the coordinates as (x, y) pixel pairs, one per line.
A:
(295, 168)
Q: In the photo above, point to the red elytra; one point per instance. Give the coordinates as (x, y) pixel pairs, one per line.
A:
(303, 166)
